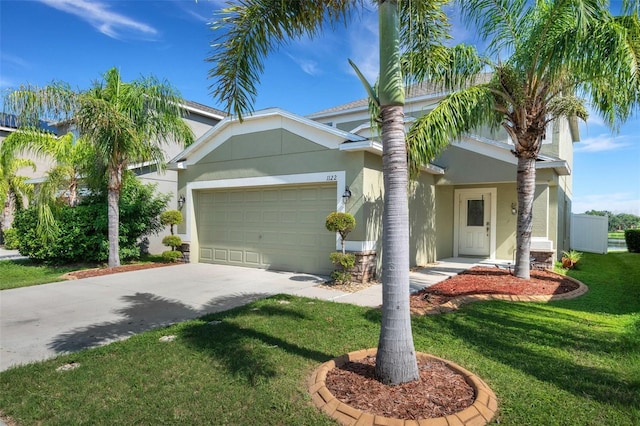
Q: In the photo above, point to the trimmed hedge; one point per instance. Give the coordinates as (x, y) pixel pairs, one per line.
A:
(632, 237)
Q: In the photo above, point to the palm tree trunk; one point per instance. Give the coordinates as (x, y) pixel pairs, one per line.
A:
(6, 210)
(396, 358)
(526, 184)
(113, 217)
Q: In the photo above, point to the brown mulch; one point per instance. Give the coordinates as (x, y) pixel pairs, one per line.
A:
(486, 280)
(96, 272)
(440, 391)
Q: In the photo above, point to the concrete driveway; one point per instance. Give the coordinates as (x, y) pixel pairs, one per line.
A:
(43, 321)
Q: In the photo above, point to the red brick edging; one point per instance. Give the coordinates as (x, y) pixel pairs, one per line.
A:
(457, 302)
(482, 411)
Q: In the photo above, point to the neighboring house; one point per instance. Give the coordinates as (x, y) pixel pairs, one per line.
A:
(200, 119)
(258, 191)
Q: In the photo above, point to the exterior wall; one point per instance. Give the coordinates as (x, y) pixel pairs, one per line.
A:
(466, 167)
(541, 211)
(261, 156)
(445, 221)
(422, 220)
(279, 152)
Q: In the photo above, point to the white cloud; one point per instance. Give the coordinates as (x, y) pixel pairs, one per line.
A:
(602, 142)
(621, 202)
(109, 23)
(308, 66)
(16, 61)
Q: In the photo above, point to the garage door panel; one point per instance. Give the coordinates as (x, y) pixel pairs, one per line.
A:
(236, 256)
(206, 254)
(250, 217)
(276, 227)
(252, 258)
(270, 216)
(220, 255)
(270, 195)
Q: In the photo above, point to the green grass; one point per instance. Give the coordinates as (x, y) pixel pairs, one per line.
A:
(616, 235)
(24, 273)
(573, 362)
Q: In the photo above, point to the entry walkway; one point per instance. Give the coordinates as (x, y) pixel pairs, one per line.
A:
(43, 321)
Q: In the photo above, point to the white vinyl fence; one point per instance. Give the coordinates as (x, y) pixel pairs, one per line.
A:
(589, 233)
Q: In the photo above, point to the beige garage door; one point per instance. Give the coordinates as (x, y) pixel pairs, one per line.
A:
(279, 228)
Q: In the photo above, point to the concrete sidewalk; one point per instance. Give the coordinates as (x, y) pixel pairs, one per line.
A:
(10, 254)
(43, 321)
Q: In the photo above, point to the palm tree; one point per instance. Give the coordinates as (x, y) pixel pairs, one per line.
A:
(69, 155)
(14, 189)
(253, 29)
(552, 58)
(127, 124)
(124, 123)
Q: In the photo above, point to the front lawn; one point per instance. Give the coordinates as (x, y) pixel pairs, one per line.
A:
(24, 273)
(573, 362)
(17, 273)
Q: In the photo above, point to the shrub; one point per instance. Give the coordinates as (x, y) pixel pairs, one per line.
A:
(632, 238)
(570, 258)
(342, 223)
(171, 217)
(10, 237)
(83, 231)
(172, 241)
(171, 255)
(346, 262)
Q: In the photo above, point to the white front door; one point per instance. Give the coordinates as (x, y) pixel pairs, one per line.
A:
(474, 223)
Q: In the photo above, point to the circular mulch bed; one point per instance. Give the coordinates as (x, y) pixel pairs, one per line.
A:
(346, 390)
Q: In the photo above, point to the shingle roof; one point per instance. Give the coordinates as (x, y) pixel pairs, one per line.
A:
(196, 105)
(414, 91)
(11, 121)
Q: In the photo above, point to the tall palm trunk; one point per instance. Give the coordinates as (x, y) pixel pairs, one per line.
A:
(6, 210)
(113, 216)
(526, 184)
(396, 358)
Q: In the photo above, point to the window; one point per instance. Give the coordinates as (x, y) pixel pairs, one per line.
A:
(475, 212)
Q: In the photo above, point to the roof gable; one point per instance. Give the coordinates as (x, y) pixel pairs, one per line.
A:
(263, 121)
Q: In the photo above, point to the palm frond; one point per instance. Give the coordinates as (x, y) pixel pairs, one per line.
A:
(458, 113)
(249, 30)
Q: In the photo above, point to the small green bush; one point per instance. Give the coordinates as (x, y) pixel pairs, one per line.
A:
(342, 223)
(632, 238)
(171, 217)
(11, 241)
(171, 255)
(172, 241)
(346, 262)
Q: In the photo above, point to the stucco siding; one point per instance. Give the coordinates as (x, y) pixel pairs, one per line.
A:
(541, 212)
(464, 167)
(444, 221)
(422, 220)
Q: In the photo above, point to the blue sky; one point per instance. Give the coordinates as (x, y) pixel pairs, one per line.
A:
(76, 41)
